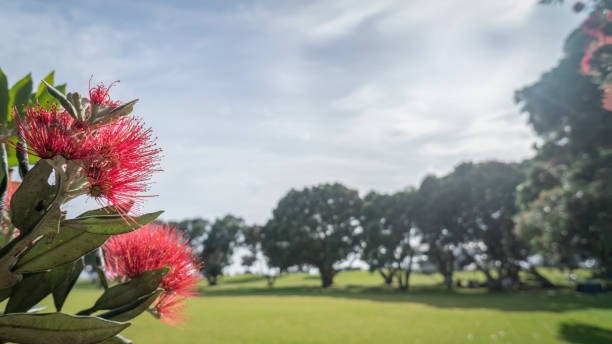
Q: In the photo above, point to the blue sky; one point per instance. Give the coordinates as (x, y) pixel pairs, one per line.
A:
(250, 99)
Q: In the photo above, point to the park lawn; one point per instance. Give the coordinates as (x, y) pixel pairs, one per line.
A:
(358, 310)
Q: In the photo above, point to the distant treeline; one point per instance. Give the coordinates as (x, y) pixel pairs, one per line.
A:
(500, 218)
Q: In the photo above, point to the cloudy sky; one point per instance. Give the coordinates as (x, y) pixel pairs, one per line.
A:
(249, 99)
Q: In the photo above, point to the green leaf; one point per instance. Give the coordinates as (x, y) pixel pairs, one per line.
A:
(62, 99)
(132, 310)
(70, 278)
(57, 328)
(4, 175)
(12, 156)
(31, 199)
(118, 339)
(4, 98)
(48, 79)
(35, 287)
(104, 211)
(20, 94)
(109, 224)
(125, 293)
(61, 88)
(5, 293)
(123, 109)
(69, 245)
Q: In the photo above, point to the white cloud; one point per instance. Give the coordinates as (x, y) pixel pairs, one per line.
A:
(249, 100)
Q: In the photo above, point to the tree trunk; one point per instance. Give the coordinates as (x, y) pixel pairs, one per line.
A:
(270, 279)
(212, 280)
(407, 273)
(327, 276)
(388, 277)
(444, 261)
(545, 282)
(448, 277)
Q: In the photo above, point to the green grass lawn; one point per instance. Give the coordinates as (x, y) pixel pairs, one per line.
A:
(359, 310)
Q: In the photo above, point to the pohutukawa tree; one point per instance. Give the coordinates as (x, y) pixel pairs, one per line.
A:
(316, 226)
(92, 147)
(566, 200)
(390, 241)
(218, 246)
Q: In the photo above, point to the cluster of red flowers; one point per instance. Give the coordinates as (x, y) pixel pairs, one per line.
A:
(595, 29)
(51, 132)
(117, 156)
(595, 26)
(153, 247)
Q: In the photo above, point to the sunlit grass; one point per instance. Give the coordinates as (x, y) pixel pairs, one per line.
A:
(358, 309)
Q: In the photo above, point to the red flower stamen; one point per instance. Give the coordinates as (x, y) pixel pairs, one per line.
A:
(99, 95)
(153, 247)
(127, 159)
(53, 132)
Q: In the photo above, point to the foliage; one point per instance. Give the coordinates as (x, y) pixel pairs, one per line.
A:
(218, 246)
(315, 226)
(389, 234)
(87, 147)
(565, 201)
(193, 229)
(467, 218)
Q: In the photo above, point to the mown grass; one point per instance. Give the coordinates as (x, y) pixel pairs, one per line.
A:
(358, 309)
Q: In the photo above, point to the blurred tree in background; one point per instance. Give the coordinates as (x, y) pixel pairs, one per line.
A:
(316, 226)
(566, 198)
(389, 234)
(218, 246)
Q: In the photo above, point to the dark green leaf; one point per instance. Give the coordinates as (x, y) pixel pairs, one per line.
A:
(63, 289)
(124, 109)
(20, 94)
(125, 293)
(57, 328)
(4, 175)
(35, 287)
(5, 293)
(62, 99)
(12, 156)
(104, 211)
(109, 224)
(4, 98)
(31, 199)
(132, 310)
(69, 245)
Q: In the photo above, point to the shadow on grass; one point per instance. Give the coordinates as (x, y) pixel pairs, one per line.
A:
(535, 300)
(583, 333)
(251, 278)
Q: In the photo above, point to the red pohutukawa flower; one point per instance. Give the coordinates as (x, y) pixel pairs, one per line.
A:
(51, 132)
(128, 158)
(153, 247)
(99, 94)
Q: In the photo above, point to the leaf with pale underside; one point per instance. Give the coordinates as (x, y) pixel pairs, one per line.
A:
(67, 246)
(57, 328)
(125, 293)
(35, 287)
(109, 224)
(70, 278)
(132, 310)
(32, 198)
